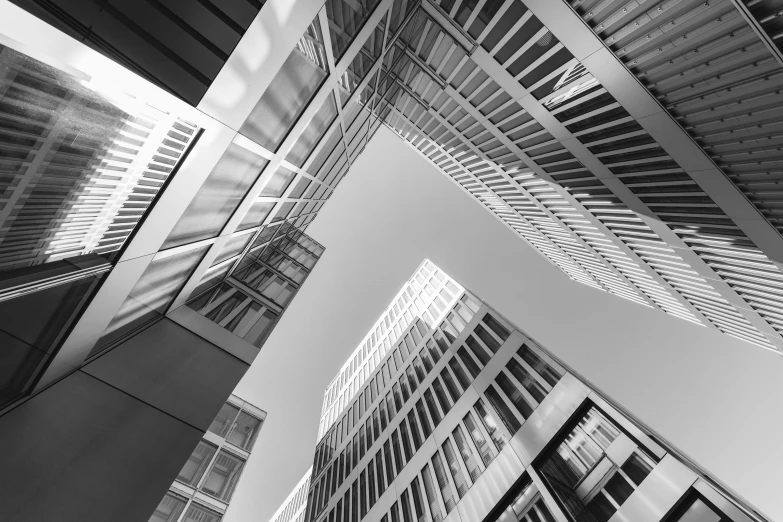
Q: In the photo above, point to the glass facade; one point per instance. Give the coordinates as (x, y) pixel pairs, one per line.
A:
(432, 441)
(207, 481)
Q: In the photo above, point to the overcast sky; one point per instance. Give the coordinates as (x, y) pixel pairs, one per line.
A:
(720, 400)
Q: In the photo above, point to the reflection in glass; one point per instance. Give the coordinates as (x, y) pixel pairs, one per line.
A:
(245, 431)
(169, 509)
(80, 165)
(283, 211)
(361, 65)
(197, 464)
(313, 132)
(198, 513)
(154, 291)
(233, 247)
(280, 180)
(256, 215)
(289, 92)
(346, 20)
(223, 421)
(218, 197)
(223, 477)
(31, 326)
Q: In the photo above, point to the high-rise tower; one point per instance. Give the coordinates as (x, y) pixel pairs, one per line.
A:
(463, 417)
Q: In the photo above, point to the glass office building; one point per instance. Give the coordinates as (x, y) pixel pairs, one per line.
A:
(466, 418)
(146, 147)
(206, 483)
(636, 147)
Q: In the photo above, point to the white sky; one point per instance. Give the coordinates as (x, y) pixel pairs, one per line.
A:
(718, 399)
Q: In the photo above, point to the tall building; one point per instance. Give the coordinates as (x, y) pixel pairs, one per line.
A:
(206, 483)
(146, 147)
(294, 507)
(635, 146)
(466, 418)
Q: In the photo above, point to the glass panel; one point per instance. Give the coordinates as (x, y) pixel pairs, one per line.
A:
(514, 395)
(289, 92)
(279, 182)
(484, 448)
(300, 188)
(361, 64)
(528, 381)
(618, 488)
(546, 371)
(30, 327)
(432, 499)
(224, 420)
(700, 512)
(454, 467)
(155, 290)
(245, 431)
(197, 513)
(223, 476)
(80, 164)
(233, 247)
(194, 468)
(313, 132)
(218, 197)
(443, 481)
(502, 409)
(345, 22)
(467, 453)
(256, 215)
(168, 510)
(637, 468)
(601, 508)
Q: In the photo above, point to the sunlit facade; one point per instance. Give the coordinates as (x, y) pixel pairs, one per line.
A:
(474, 421)
(160, 161)
(206, 483)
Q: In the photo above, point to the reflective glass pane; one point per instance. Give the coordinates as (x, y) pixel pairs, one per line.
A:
(289, 92)
(197, 463)
(283, 211)
(347, 20)
(256, 215)
(154, 291)
(198, 513)
(223, 477)
(279, 182)
(169, 509)
(233, 247)
(80, 164)
(300, 188)
(224, 420)
(361, 65)
(313, 132)
(245, 431)
(218, 197)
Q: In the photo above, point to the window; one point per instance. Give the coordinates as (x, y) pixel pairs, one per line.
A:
(454, 467)
(425, 423)
(223, 477)
(224, 420)
(194, 468)
(497, 436)
(485, 449)
(619, 487)
(436, 416)
(245, 431)
(477, 350)
(515, 396)
(289, 92)
(487, 339)
(443, 482)
(279, 182)
(467, 453)
(586, 444)
(468, 361)
(218, 198)
(496, 327)
(538, 365)
(169, 509)
(696, 508)
(197, 513)
(432, 499)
